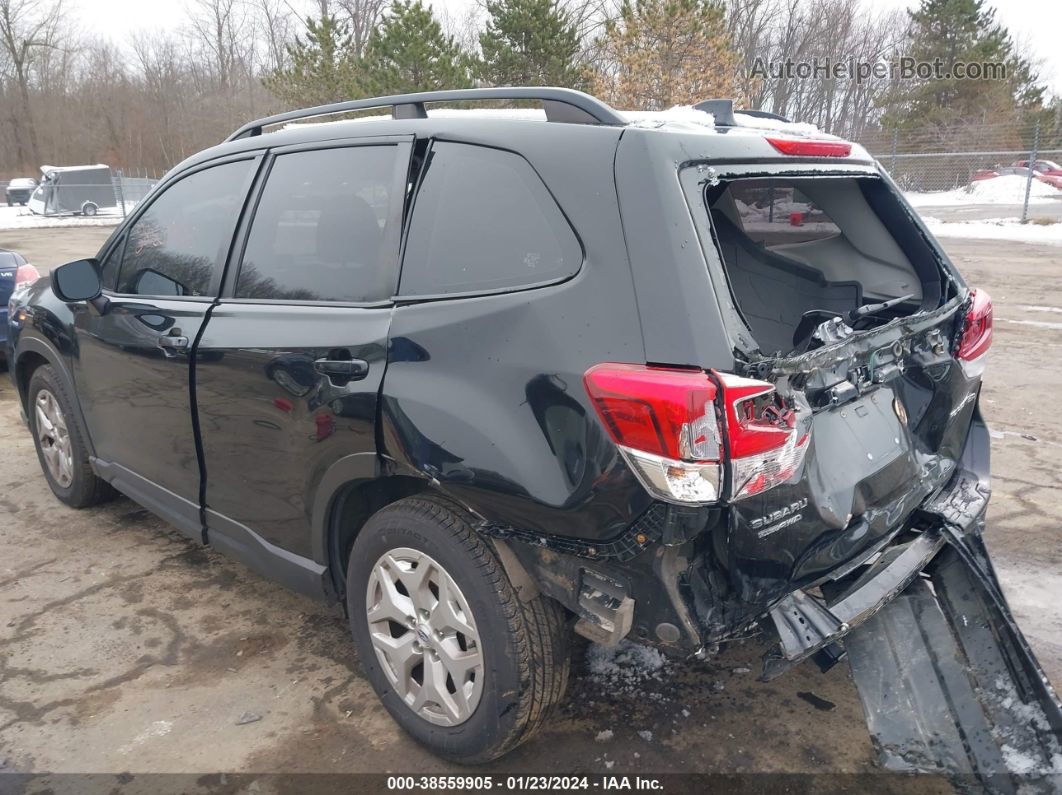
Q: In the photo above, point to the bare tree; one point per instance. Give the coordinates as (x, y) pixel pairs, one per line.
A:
(26, 28)
(220, 27)
(362, 17)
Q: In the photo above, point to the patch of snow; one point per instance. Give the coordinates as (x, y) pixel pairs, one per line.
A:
(1017, 762)
(1041, 308)
(646, 735)
(689, 118)
(997, 229)
(1036, 323)
(609, 763)
(21, 218)
(159, 728)
(626, 666)
(794, 127)
(1007, 189)
(604, 736)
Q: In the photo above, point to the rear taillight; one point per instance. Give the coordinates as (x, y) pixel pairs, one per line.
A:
(26, 274)
(765, 443)
(977, 329)
(664, 422)
(670, 425)
(805, 147)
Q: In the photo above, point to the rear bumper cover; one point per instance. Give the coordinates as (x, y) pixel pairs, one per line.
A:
(949, 683)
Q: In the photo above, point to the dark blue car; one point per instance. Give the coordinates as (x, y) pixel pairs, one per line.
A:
(14, 271)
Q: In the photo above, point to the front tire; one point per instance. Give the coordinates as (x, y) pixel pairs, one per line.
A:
(458, 660)
(61, 450)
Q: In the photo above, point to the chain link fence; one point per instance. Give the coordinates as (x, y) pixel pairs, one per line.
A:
(982, 172)
(73, 200)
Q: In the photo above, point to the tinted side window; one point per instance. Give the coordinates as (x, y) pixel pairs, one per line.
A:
(483, 220)
(318, 232)
(174, 248)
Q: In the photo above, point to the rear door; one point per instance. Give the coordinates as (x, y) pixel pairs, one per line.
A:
(292, 360)
(132, 368)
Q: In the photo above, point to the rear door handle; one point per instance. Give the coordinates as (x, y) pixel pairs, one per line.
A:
(349, 369)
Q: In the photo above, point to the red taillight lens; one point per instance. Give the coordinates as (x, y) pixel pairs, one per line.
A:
(26, 274)
(755, 423)
(766, 447)
(666, 412)
(666, 424)
(811, 148)
(977, 333)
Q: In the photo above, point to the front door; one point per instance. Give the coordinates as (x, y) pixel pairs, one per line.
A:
(133, 367)
(291, 363)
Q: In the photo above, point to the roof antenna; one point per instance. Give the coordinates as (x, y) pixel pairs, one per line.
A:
(721, 109)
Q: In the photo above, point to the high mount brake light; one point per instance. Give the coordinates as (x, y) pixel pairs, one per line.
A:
(670, 425)
(805, 147)
(977, 331)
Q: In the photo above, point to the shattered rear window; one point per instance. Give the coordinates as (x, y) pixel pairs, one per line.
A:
(774, 212)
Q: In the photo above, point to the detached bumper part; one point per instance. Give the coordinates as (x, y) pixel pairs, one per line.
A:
(949, 684)
(605, 611)
(806, 623)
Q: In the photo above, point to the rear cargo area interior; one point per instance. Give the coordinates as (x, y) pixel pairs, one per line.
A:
(790, 246)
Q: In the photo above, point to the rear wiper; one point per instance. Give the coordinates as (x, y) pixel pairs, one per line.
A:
(833, 329)
(873, 309)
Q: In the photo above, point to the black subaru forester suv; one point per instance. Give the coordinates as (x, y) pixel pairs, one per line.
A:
(487, 380)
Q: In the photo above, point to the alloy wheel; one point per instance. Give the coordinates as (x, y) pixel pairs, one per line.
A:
(425, 636)
(54, 438)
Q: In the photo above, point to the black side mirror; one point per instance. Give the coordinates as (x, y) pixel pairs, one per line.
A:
(77, 281)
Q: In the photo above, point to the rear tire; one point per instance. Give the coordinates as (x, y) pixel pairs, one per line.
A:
(61, 450)
(523, 646)
(89, 209)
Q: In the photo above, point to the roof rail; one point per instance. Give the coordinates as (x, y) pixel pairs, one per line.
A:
(723, 111)
(561, 105)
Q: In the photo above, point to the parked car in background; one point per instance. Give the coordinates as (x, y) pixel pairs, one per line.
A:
(1047, 176)
(488, 381)
(19, 190)
(1047, 167)
(74, 190)
(15, 274)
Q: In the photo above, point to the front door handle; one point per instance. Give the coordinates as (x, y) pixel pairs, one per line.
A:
(174, 343)
(346, 369)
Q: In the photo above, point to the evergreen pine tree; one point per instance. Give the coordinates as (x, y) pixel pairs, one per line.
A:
(961, 31)
(530, 42)
(322, 68)
(661, 53)
(409, 52)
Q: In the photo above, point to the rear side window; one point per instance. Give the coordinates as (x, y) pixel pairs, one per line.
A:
(318, 232)
(483, 221)
(176, 246)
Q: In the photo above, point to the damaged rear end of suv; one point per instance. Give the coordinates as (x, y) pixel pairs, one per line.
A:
(827, 480)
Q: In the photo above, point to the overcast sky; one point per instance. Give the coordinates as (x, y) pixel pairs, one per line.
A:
(1036, 25)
